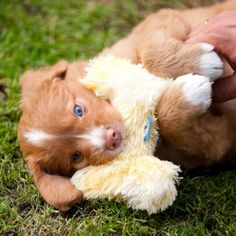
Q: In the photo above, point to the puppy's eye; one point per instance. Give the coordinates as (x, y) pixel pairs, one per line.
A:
(77, 156)
(78, 110)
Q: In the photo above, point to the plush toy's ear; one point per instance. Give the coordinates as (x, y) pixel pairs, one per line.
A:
(57, 190)
(32, 79)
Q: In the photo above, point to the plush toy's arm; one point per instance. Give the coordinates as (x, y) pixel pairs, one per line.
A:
(127, 179)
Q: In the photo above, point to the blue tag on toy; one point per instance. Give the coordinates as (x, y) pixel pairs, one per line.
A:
(147, 129)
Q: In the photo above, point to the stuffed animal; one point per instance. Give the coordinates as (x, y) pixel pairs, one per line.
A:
(135, 175)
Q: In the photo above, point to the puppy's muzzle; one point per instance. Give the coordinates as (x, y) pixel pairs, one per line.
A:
(113, 138)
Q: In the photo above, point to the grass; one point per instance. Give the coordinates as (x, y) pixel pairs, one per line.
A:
(40, 32)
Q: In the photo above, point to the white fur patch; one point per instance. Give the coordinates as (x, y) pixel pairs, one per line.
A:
(196, 89)
(35, 136)
(210, 63)
(95, 136)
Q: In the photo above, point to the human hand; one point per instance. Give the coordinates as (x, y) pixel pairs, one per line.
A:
(220, 32)
(224, 89)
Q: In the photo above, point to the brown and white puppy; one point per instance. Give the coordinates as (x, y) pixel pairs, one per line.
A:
(64, 127)
(55, 141)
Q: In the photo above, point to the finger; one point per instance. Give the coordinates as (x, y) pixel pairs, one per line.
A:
(229, 56)
(231, 60)
(226, 18)
(224, 89)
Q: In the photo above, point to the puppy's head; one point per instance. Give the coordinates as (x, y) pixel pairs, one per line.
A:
(64, 126)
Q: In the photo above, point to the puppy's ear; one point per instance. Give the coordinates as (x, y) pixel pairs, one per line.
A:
(31, 79)
(57, 190)
(76, 70)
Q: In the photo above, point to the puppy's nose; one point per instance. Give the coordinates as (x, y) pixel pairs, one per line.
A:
(113, 138)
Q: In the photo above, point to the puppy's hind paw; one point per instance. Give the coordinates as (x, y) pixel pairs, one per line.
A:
(196, 90)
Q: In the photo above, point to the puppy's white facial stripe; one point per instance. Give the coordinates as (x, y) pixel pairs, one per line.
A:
(36, 137)
(95, 136)
(196, 89)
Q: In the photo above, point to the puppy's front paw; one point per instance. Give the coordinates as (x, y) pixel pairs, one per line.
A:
(210, 63)
(196, 90)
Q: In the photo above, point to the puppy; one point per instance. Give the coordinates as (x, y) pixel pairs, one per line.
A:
(64, 127)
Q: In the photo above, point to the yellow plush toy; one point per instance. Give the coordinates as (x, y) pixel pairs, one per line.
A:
(135, 176)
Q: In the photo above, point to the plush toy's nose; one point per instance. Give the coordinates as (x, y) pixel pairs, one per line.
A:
(113, 138)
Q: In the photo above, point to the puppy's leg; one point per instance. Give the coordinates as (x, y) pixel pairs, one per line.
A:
(187, 98)
(158, 43)
(192, 134)
(169, 57)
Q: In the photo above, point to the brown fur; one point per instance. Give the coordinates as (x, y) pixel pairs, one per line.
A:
(190, 137)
